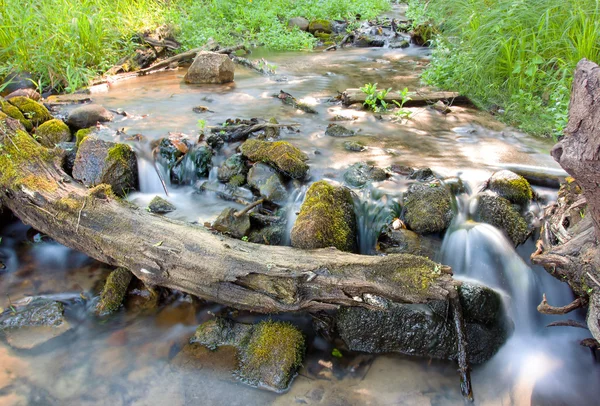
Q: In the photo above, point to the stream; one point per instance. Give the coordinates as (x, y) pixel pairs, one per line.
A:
(139, 357)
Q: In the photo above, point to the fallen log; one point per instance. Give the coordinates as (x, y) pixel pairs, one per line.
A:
(417, 99)
(190, 258)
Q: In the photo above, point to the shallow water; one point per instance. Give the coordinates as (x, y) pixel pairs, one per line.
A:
(137, 358)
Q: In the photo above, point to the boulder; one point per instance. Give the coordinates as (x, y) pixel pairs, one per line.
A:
(498, 211)
(326, 219)
(403, 241)
(114, 292)
(322, 26)
(196, 164)
(428, 208)
(233, 170)
(84, 132)
(53, 132)
(268, 182)
(106, 162)
(158, 205)
(229, 223)
(88, 115)
(511, 186)
(427, 330)
(210, 67)
(13, 112)
(15, 81)
(361, 173)
(269, 352)
(300, 22)
(33, 111)
(282, 155)
(271, 235)
(336, 130)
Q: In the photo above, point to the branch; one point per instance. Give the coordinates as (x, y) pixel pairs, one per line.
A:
(545, 308)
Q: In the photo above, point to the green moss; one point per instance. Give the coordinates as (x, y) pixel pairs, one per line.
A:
(68, 204)
(120, 153)
(81, 134)
(15, 113)
(237, 180)
(37, 183)
(511, 186)
(31, 109)
(428, 208)
(320, 26)
(114, 291)
(102, 191)
(2, 115)
(52, 132)
(414, 273)
(281, 154)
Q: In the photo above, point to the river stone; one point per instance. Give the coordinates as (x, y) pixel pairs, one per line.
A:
(498, 212)
(234, 168)
(322, 26)
(34, 322)
(269, 353)
(300, 22)
(268, 182)
(227, 222)
(361, 173)
(326, 219)
(427, 330)
(282, 155)
(114, 292)
(53, 132)
(422, 174)
(33, 111)
(88, 115)
(196, 164)
(336, 130)
(210, 67)
(11, 111)
(99, 161)
(170, 149)
(29, 93)
(403, 241)
(158, 205)
(511, 186)
(354, 146)
(428, 208)
(270, 235)
(69, 150)
(15, 81)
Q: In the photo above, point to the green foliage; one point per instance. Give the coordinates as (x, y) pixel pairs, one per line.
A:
(375, 98)
(513, 54)
(402, 112)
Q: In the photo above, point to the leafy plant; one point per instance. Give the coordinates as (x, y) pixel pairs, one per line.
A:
(402, 112)
(375, 98)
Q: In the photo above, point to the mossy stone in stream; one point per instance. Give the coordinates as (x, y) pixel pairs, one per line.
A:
(233, 166)
(428, 208)
(511, 186)
(13, 112)
(81, 134)
(270, 235)
(361, 173)
(53, 132)
(33, 111)
(114, 291)
(326, 219)
(158, 205)
(229, 223)
(498, 211)
(282, 155)
(320, 26)
(354, 146)
(336, 130)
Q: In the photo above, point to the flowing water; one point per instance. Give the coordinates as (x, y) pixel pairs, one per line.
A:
(139, 357)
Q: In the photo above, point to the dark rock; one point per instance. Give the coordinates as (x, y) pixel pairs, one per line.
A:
(336, 130)
(326, 219)
(171, 149)
(226, 191)
(114, 291)
(106, 162)
(354, 146)
(210, 67)
(282, 155)
(422, 174)
(361, 173)
(511, 186)
(271, 235)
(403, 241)
(70, 153)
(15, 81)
(229, 223)
(428, 208)
(399, 44)
(88, 115)
(268, 182)
(497, 211)
(158, 205)
(300, 22)
(196, 164)
(53, 132)
(234, 166)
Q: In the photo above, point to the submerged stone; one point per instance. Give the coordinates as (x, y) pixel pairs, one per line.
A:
(428, 208)
(114, 291)
(336, 130)
(88, 116)
(282, 155)
(229, 223)
(326, 219)
(53, 132)
(361, 173)
(354, 146)
(158, 205)
(210, 67)
(511, 186)
(498, 212)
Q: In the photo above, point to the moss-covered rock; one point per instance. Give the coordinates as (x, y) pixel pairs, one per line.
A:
(233, 166)
(403, 241)
(336, 130)
(282, 155)
(114, 291)
(33, 111)
(354, 146)
(81, 134)
(196, 164)
(268, 182)
(229, 223)
(511, 186)
(102, 162)
(498, 211)
(53, 132)
(428, 208)
(13, 112)
(361, 173)
(326, 219)
(269, 352)
(158, 205)
(320, 25)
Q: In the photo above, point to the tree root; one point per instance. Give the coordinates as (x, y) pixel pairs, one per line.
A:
(545, 308)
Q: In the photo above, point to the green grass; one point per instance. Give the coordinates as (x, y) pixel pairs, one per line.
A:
(515, 54)
(64, 43)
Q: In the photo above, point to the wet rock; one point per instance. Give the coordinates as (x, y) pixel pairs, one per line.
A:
(30, 93)
(456, 186)
(403, 241)
(158, 205)
(272, 132)
(69, 153)
(88, 115)
(229, 223)
(196, 164)
(33, 111)
(326, 219)
(336, 130)
(422, 174)
(171, 149)
(13, 112)
(511, 186)
(84, 132)
(141, 297)
(271, 235)
(268, 182)
(53, 132)
(428, 208)
(227, 191)
(497, 211)
(427, 330)
(399, 44)
(114, 291)
(269, 352)
(300, 22)
(362, 173)
(15, 81)
(233, 167)
(106, 162)
(282, 155)
(322, 26)
(210, 67)
(354, 146)
(33, 322)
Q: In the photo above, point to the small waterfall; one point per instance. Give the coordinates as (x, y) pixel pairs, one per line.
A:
(292, 208)
(373, 212)
(150, 182)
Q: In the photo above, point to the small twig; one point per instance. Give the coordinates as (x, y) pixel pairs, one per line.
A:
(568, 323)
(248, 208)
(545, 308)
(461, 344)
(594, 279)
(79, 215)
(44, 210)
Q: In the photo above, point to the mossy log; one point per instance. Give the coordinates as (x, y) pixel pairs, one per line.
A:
(190, 258)
(417, 99)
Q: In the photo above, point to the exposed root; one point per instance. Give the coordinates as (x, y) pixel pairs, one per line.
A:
(545, 308)
(567, 323)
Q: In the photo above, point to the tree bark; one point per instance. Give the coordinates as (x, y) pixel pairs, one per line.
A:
(190, 258)
(417, 99)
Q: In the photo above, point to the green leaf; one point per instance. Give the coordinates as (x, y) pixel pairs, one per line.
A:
(336, 353)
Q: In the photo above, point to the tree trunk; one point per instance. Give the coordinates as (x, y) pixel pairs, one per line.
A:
(190, 258)
(417, 99)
